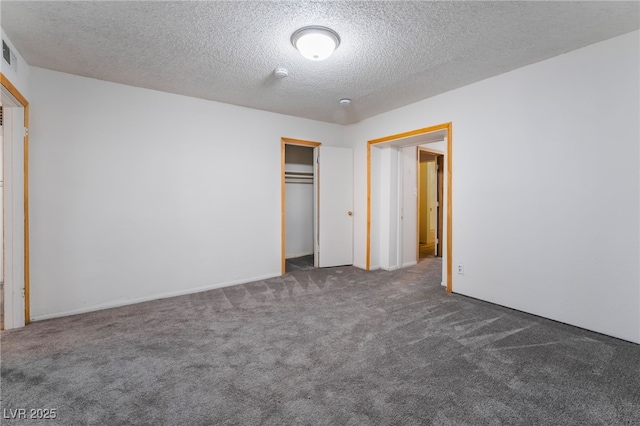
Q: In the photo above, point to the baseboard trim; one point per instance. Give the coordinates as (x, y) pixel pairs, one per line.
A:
(166, 295)
(412, 263)
(360, 266)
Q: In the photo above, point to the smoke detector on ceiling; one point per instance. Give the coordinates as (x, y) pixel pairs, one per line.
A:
(281, 72)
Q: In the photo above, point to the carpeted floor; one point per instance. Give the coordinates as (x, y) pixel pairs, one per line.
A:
(337, 346)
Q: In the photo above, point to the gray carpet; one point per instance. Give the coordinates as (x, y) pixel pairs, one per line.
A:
(338, 346)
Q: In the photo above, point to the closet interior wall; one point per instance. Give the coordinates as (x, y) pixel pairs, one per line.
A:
(299, 200)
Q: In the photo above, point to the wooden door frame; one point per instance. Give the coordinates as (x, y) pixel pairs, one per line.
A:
(23, 101)
(439, 127)
(440, 189)
(283, 143)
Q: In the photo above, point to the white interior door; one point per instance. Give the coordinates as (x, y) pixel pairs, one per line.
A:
(13, 215)
(335, 206)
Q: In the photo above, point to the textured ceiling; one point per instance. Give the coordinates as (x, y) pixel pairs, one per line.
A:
(391, 54)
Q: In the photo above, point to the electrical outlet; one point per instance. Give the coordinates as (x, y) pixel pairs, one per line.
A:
(460, 268)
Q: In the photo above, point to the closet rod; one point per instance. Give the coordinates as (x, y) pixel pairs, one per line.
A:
(298, 173)
(299, 181)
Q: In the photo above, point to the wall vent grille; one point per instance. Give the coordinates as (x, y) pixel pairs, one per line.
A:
(6, 52)
(9, 56)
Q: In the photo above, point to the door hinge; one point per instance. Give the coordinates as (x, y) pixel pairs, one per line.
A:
(26, 131)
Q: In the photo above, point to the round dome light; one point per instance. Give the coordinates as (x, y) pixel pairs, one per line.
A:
(315, 43)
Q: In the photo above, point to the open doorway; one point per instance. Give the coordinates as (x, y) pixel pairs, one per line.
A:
(430, 211)
(391, 240)
(15, 207)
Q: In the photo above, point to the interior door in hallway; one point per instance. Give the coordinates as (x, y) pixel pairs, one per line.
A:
(13, 214)
(335, 206)
(430, 194)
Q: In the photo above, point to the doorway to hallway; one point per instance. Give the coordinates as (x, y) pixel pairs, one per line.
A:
(430, 211)
(14, 272)
(392, 237)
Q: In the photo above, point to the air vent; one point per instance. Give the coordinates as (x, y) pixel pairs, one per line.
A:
(6, 52)
(9, 56)
(0, 116)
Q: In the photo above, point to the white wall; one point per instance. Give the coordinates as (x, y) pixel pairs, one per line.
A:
(389, 211)
(440, 147)
(299, 203)
(19, 79)
(138, 194)
(545, 218)
(360, 210)
(409, 205)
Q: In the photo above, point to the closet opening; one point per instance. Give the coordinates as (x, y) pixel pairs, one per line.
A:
(299, 210)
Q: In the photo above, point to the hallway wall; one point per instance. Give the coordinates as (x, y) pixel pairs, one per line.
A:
(546, 219)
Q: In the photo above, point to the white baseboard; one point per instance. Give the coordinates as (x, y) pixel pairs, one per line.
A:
(359, 266)
(119, 303)
(406, 265)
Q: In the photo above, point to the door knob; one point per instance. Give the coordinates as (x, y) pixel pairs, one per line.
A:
(350, 213)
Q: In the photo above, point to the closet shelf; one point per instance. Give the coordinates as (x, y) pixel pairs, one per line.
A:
(298, 177)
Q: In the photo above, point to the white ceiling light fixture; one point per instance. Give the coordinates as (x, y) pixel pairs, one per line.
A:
(345, 101)
(315, 43)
